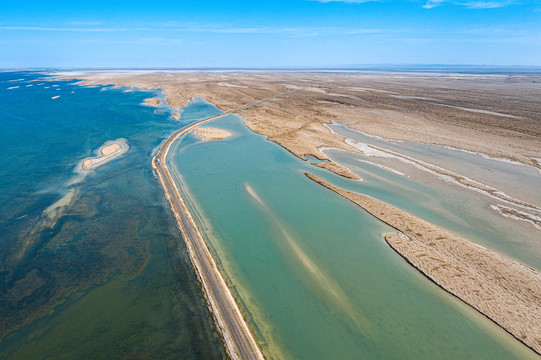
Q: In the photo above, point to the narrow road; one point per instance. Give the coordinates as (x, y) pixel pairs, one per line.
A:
(239, 341)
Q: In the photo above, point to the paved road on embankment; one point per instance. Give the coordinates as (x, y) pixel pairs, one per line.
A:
(239, 342)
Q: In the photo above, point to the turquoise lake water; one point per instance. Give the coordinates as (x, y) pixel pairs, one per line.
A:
(310, 269)
(109, 278)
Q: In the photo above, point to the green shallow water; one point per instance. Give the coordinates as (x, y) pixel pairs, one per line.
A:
(310, 269)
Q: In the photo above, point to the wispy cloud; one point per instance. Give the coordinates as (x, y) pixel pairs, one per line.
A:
(470, 4)
(216, 29)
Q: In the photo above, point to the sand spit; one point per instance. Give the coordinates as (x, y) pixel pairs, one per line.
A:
(176, 115)
(13, 87)
(55, 97)
(109, 151)
(337, 169)
(502, 289)
(152, 102)
(210, 134)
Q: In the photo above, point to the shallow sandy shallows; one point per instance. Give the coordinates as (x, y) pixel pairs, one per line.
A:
(209, 134)
(504, 290)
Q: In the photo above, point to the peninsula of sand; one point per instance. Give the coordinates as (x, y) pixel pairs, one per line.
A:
(109, 151)
(502, 289)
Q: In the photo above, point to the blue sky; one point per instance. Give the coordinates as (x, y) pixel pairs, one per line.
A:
(278, 33)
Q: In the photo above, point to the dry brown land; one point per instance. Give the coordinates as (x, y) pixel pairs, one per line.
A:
(494, 114)
(504, 290)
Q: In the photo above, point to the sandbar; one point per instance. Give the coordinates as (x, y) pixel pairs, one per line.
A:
(210, 134)
(109, 151)
(504, 290)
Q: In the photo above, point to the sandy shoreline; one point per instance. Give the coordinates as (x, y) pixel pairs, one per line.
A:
(502, 289)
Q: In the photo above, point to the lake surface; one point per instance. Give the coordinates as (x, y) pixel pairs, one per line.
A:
(310, 269)
(106, 277)
(105, 273)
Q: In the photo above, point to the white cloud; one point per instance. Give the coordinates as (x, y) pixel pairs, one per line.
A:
(216, 29)
(470, 4)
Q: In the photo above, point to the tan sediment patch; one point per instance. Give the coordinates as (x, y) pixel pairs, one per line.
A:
(502, 289)
(152, 102)
(176, 115)
(209, 133)
(55, 97)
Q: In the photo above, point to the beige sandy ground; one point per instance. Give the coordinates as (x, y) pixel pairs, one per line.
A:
(453, 110)
(504, 290)
(209, 134)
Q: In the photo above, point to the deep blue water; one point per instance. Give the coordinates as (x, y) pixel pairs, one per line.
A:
(109, 277)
